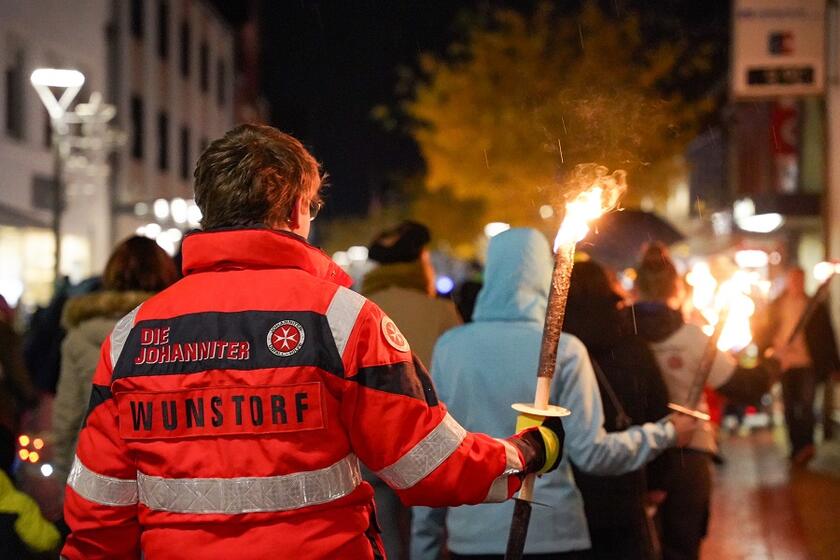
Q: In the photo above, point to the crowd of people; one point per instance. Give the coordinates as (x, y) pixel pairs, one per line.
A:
(314, 377)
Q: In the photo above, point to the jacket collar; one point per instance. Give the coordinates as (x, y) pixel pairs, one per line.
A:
(257, 248)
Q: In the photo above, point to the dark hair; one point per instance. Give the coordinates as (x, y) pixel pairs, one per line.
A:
(402, 243)
(253, 175)
(592, 308)
(657, 278)
(138, 263)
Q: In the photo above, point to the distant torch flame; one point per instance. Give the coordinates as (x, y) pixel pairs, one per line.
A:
(598, 192)
(733, 295)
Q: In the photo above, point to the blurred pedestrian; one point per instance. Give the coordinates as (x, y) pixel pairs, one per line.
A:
(45, 333)
(679, 347)
(230, 411)
(482, 367)
(811, 357)
(24, 532)
(403, 285)
(632, 392)
(136, 269)
(16, 389)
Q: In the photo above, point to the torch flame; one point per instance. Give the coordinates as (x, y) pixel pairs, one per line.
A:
(597, 191)
(711, 298)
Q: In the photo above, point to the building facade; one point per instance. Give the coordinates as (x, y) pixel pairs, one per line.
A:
(48, 33)
(168, 68)
(171, 77)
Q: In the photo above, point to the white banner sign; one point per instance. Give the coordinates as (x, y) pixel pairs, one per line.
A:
(778, 48)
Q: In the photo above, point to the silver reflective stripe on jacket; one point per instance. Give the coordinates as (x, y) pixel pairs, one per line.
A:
(250, 494)
(426, 456)
(101, 489)
(341, 316)
(499, 489)
(120, 334)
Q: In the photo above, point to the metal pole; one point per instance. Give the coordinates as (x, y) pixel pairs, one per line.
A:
(57, 198)
(832, 189)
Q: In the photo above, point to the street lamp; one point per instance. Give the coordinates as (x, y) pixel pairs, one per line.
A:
(71, 81)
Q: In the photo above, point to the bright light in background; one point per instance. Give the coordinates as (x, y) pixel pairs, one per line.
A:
(546, 211)
(55, 77)
(141, 231)
(761, 223)
(178, 207)
(141, 209)
(495, 228)
(357, 253)
(24, 440)
(703, 286)
(710, 298)
(734, 295)
(152, 231)
(194, 214)
(12, 289)
(743, 208)
(161, 209)
(341, 258)
(775, 258)
(751, 258)
(824, 270)
(444, 285)
(175, 234)
(46, 470)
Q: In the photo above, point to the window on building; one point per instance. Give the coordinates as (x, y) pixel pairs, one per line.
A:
(186, 162)
(221, 82)
(185, 48)
(163, 141)
(163, 30)
(204, 62)
(137, 127)
(15, 96)
(137, 18)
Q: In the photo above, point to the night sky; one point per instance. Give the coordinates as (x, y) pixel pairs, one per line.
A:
(327, 63)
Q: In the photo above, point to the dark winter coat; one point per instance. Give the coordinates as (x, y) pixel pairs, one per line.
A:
(629, 369)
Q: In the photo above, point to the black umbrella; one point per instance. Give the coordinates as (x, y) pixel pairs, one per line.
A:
(617, 238)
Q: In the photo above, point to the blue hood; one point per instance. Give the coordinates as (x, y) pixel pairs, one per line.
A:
(517, 278)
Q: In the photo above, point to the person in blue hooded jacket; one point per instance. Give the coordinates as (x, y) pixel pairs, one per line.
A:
(482, 367)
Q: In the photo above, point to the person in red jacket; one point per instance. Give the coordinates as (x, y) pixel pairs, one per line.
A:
(229, 413)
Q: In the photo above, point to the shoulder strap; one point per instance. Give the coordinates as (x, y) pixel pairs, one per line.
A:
(622, 420)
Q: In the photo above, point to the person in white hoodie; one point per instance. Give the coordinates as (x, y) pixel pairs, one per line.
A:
(482, 367)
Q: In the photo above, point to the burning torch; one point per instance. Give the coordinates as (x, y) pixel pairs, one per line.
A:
(595, 191)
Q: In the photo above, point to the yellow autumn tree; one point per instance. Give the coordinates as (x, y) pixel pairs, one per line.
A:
(506, 114)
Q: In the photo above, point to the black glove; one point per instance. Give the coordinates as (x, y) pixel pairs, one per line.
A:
(541, 444)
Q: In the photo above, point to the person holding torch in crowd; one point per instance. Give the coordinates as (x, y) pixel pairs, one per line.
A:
(689, 360)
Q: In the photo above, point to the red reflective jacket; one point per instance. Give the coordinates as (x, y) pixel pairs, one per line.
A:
(229, 414)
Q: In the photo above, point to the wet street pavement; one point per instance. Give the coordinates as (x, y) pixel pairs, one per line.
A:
(762, 509)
